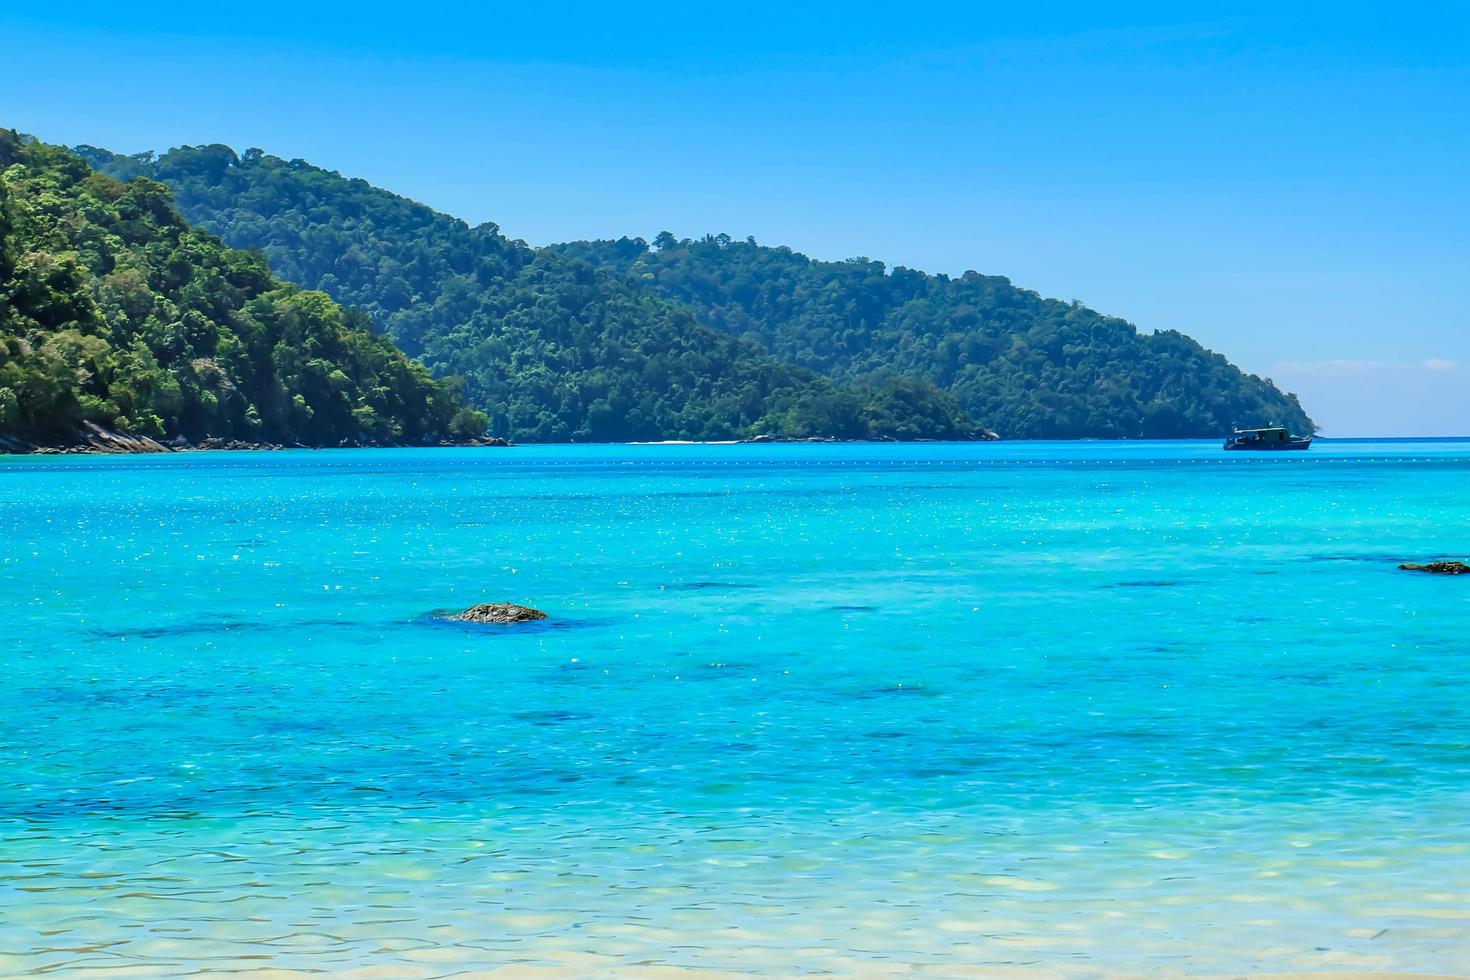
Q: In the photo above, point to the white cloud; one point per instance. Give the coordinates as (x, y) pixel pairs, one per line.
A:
(1439, 364)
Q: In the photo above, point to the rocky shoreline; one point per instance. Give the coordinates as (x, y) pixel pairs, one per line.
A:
(95, 440)
(983, 435)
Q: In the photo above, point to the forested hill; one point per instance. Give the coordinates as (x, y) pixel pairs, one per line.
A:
(711, 338)
(550, 347)
(113, 311)
(1022, 364)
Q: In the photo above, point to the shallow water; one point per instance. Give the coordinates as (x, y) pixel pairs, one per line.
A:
(1070, 708)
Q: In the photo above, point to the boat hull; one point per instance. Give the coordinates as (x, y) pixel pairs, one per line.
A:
(1269, 447)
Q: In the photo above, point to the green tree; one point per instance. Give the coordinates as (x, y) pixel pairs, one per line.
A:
(114, 311)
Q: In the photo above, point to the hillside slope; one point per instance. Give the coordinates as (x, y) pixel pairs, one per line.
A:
(1020, 363)
(552, 349)
(114, 312)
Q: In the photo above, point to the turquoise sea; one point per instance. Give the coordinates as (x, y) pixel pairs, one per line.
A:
(1050, 709)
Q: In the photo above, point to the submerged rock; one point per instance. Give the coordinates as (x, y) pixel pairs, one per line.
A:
(499, 613)
(1437, 567)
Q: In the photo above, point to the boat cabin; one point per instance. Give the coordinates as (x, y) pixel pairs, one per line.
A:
(1274, 433)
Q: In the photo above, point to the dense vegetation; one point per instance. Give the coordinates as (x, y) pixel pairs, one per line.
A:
(707, 338)
(1024, 365)
(114, 311)
(551, 348)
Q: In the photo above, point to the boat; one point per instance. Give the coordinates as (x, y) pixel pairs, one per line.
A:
(1273, 438)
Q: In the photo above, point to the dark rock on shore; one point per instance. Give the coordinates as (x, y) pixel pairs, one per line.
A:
(15, 444)
(92, 438)
(1437, 567)
(474, 441)
(499, 613)
(233, 444)
(100, 440)
(768, 437)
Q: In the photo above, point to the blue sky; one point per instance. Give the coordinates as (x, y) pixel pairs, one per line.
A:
(1286, 183)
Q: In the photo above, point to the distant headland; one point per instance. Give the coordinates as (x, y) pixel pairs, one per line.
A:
(358, 317)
